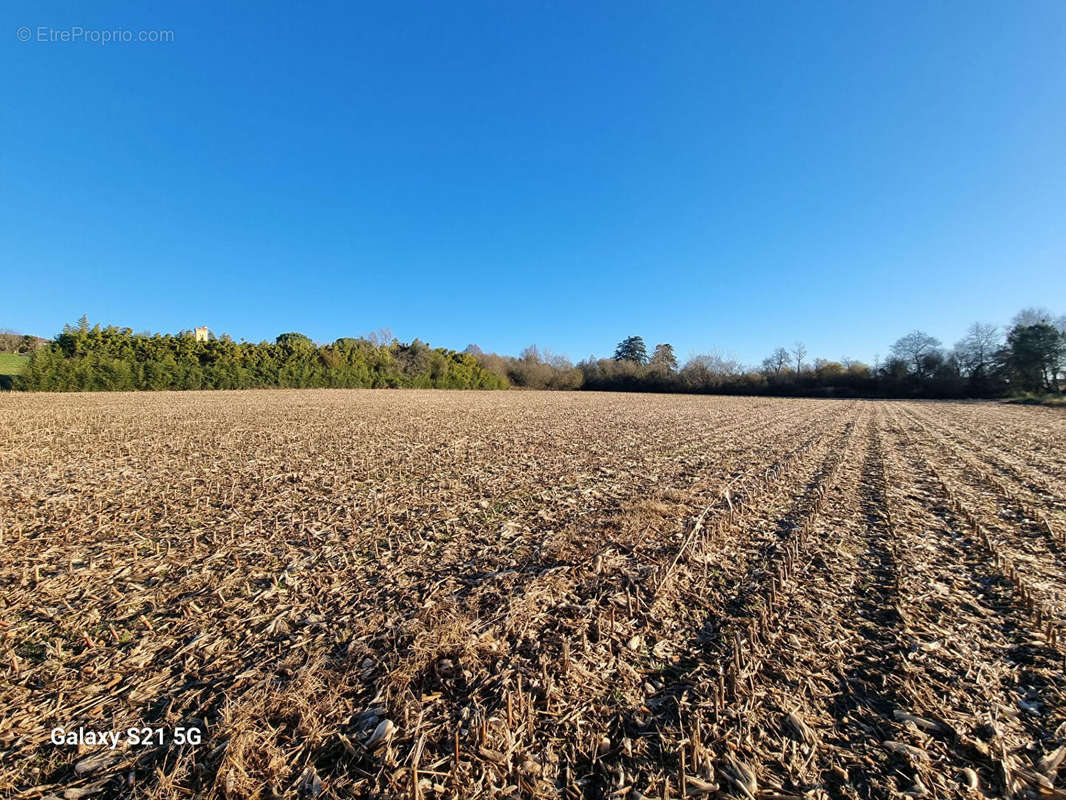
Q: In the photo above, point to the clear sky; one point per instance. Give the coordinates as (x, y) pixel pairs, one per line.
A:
(718, 175)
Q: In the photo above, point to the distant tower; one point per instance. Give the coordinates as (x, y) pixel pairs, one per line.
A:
(201, 334)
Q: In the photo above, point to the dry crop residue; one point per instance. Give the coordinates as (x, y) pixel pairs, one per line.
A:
(427, 594)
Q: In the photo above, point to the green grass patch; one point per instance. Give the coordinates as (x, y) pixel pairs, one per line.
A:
(1032, 399)
(13, 363)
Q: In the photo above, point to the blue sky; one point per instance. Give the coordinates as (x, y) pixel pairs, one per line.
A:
(722, 176)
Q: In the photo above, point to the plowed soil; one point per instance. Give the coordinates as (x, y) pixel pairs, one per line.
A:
(538, 595)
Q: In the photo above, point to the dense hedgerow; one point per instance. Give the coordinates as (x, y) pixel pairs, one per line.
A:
(115, 359)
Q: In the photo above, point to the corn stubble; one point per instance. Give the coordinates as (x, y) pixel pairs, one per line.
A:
(502, 595)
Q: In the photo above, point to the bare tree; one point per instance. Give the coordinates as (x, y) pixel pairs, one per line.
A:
(709, 370)
(977, 348)
(799, 351)
(776, 361)
(1033, 316)
(717, 364)
(380, 337)
(915, 348)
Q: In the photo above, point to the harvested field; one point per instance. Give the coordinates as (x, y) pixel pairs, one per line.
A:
(495, 595)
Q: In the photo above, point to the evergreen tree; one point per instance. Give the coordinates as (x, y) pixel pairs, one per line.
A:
(1036, 356)
(663, 359)
(631, 349)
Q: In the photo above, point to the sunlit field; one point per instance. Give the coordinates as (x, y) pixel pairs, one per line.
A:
(508, 594)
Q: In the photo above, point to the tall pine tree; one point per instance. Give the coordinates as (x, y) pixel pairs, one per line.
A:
(631, 349)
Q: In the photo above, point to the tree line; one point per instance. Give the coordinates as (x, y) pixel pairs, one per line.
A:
(1028, 356)
(84, 358)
